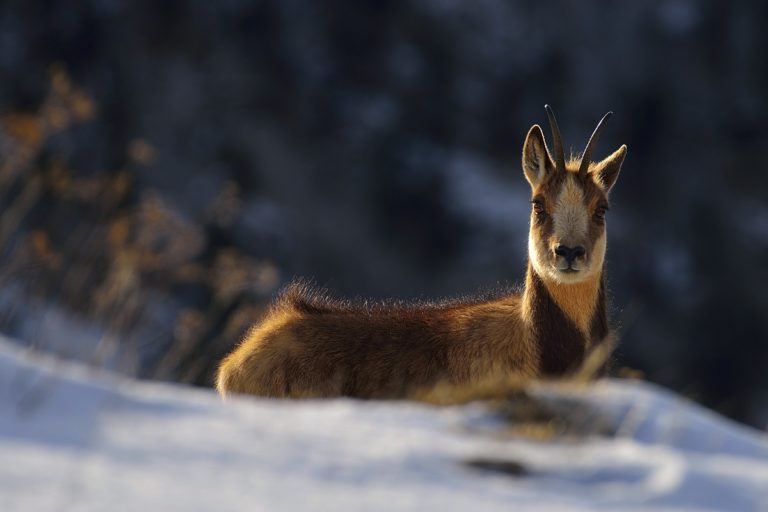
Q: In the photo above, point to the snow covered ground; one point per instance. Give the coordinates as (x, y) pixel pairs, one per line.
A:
(73, 439)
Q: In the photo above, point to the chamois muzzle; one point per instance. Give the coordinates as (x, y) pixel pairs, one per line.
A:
(570, 254)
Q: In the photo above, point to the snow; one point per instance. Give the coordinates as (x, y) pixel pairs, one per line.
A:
(72, 438)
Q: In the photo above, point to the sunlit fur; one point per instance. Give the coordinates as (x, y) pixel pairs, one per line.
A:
(310, 345)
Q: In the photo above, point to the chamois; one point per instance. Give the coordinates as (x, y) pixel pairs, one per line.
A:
(309, 345)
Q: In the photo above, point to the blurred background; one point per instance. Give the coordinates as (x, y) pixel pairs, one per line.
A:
(166, 165)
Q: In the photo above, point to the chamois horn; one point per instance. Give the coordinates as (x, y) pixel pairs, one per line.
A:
(587, 155)
(556, 140)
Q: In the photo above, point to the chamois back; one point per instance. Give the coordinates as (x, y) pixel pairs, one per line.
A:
(304, 297)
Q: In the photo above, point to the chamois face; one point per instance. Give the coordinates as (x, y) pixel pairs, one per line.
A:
(567, 238)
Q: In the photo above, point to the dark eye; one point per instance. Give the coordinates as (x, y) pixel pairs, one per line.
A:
(599, 216)
(539, 211)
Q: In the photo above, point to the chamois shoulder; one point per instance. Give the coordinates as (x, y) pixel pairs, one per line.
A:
(306, 298)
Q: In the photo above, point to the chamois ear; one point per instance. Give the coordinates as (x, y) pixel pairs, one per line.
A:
(537, 163)
(606, 172)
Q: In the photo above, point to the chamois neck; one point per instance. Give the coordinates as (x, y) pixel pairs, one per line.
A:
(567, 319)
(578, 301)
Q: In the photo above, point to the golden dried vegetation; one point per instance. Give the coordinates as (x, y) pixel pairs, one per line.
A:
(111, 254)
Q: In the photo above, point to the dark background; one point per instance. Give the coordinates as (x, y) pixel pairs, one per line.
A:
(166, 165)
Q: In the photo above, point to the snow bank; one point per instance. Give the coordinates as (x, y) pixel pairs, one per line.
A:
(73, 439)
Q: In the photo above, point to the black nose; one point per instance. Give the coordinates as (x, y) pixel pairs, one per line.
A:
(570, 253)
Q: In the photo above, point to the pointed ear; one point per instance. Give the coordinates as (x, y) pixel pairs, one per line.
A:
(537, 163)
(606, 172)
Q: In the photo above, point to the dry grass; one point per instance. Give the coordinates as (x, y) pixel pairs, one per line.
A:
(105, 251)
(525, 412)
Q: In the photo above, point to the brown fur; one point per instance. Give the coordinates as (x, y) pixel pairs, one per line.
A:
(310, 345)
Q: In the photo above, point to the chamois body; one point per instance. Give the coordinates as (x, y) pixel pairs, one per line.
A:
(309, 345)
(312, 346)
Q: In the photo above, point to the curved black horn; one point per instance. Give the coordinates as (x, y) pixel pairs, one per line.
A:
(587, 155)
(556, 140)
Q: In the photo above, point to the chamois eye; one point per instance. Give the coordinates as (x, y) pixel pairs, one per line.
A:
(600, 214)
(539, 210)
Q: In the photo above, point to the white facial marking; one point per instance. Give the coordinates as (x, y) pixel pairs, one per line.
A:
(598, 255)
(569, 215)
(538, 260)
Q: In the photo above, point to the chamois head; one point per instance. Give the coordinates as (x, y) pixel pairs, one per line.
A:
(567, 238)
